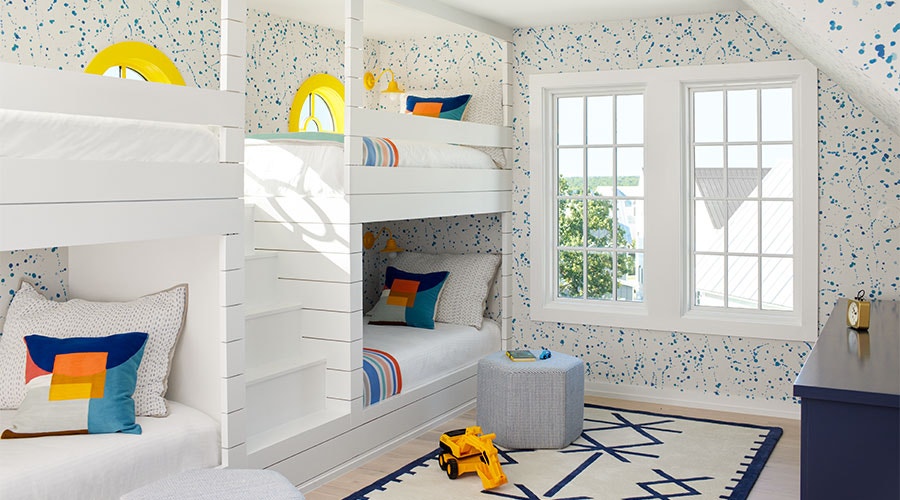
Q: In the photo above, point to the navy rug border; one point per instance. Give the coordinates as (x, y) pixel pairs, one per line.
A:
(740, 491)
(392, 477)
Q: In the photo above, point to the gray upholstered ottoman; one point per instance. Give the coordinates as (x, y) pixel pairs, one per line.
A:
(219, 484)
(531, 404)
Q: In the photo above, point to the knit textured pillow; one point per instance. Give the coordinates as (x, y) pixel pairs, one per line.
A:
(79, 385)
(465, 292)
(160, 315)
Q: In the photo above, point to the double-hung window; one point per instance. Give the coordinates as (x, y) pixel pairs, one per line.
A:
(677, 199)
(599, 154)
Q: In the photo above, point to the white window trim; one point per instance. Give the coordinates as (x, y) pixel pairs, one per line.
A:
(667, 300)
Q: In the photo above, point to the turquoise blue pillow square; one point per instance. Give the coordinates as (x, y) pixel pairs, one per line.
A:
(408, 299)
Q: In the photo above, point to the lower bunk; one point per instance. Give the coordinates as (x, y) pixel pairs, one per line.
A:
(433, 377)
(395, 357)
(105, 466)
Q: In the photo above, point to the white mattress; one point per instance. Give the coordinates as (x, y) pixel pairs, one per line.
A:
(38, 135)
(427, 355)
(103, 466)
(285, 167)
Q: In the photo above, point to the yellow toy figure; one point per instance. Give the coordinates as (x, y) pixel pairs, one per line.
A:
(467, 450)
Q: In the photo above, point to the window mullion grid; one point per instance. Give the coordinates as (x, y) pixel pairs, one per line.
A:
(725, 293)
(614, 227)
(584, 198)
(759, 196)
(692, 208)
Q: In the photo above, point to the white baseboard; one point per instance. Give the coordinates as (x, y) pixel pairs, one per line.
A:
(694, 399)
(384, 448)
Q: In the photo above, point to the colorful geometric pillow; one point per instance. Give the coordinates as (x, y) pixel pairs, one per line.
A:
(451, 108)
(408, 299)
(79, 385)
(160, 315)
(465, 292)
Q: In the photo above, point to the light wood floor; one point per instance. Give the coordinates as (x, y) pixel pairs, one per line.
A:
(780, 479)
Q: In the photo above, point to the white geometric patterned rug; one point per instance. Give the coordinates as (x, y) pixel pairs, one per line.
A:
(621, 454)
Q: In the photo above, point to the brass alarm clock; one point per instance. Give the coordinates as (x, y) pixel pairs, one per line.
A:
(858, 312)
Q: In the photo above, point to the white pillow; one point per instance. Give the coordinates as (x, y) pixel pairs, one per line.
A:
(160, 315)
(464, 294)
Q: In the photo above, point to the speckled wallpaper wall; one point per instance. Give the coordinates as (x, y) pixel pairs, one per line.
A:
(855, 42)
(65, 36)
(858, 177)
(284, 52)
(281, 54)
(439, 65)
(461, 234)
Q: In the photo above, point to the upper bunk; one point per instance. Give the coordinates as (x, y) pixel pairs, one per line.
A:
(292, 187)
(88, 159)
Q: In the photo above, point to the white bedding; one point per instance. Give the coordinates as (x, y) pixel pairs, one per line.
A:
(39, 135)
(427, 355)
(285, 167)
(103, 466)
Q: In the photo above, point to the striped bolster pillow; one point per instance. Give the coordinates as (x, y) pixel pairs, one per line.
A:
(380, 152)
(381, 375)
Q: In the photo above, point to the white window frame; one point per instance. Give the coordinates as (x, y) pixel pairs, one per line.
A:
(667, 304)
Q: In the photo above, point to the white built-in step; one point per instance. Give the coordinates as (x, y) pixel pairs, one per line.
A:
(297, 434)
(261, 277)
(272, 334)
(285, 379)
(283, 392)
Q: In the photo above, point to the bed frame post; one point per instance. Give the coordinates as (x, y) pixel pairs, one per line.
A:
(233, 49)
(506, 264)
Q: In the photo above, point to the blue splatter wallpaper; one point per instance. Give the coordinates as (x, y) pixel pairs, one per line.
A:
(457, 235)
(281, 54)
(67, 35)
(859, 182)
(44, 268)
(855, 41)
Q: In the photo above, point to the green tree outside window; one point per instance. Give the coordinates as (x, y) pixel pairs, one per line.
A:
(592, 252)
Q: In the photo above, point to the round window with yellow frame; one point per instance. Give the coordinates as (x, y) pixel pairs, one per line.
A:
(318, 106)
(136, 61)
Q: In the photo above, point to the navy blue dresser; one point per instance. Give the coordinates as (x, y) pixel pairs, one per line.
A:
(850, 409)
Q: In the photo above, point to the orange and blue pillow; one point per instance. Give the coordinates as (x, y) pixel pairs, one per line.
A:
(79, 385)
(450, 108)
(408, 299)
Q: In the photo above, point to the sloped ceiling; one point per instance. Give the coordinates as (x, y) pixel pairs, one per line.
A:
(853, 42)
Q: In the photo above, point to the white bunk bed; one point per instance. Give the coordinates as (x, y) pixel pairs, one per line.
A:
(134, 227)
(317, 237)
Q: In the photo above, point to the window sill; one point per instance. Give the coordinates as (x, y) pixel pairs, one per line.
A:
(780, 327)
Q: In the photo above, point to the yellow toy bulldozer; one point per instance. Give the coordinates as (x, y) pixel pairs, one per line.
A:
(467, 450)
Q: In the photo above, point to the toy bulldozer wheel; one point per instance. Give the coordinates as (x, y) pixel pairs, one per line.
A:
(452, 468)
(441, 462)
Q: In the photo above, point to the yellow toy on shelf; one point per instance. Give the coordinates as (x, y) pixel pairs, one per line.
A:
(468, 450)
